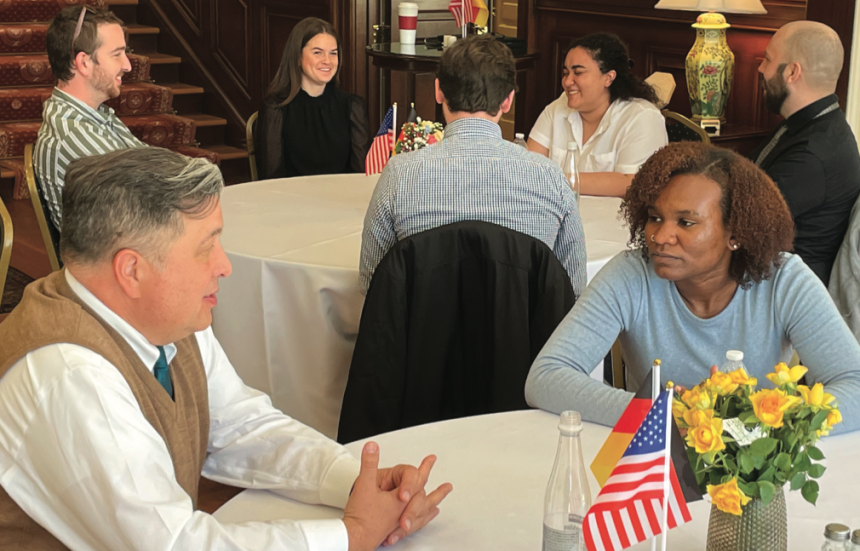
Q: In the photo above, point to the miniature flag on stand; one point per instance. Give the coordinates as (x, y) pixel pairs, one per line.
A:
(629, 508)
(383, 143)
(473, 11)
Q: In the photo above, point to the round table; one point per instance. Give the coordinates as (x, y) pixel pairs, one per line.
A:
(499, 465)
(288, 315)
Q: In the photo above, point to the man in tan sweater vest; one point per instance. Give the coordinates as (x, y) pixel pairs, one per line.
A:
(115, 395)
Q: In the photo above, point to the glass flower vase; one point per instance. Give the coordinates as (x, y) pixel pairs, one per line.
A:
(759, 528)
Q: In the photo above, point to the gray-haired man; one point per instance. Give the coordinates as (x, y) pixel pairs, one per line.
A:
(115, 395)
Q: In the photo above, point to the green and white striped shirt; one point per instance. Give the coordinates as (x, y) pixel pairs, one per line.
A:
(72, 129)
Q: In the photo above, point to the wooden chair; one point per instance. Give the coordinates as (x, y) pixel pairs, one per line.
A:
(619, 374)
(50, 234)
(249, 138)
(681, 129)
(5, 248)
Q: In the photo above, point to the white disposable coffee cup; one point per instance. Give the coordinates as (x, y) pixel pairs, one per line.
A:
(448, 40)
(408, 21)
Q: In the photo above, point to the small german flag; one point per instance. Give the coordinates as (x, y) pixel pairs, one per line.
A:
(623, 432)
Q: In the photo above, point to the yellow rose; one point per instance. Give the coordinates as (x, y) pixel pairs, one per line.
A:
(707, 437)
(728, 497)
(721, 384)
(740, 377)
(698, 398)
(782, 375)
(815, 396)
(678, 409)
(833, 418)
(770, 405)
(696, 417)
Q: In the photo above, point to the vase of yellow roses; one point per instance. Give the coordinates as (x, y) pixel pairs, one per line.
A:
(746, 444)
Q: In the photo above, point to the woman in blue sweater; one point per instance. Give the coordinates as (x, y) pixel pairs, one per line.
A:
(707, 275)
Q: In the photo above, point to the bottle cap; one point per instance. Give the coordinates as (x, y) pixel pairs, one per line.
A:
(570, 421)
(855, 538)
(837, 532)
(519, 135)
(571, 146)
(735, 355)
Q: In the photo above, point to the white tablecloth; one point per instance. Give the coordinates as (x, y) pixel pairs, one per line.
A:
(500, 464)
(289, 314)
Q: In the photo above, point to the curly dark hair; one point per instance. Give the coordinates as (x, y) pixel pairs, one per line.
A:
(610, 54)
(752, 206)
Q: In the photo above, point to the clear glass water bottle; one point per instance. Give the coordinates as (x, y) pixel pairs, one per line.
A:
(567, 494)
(570, 167)
(734, 361)
(520, 140)
(836, 537)
(855, 540)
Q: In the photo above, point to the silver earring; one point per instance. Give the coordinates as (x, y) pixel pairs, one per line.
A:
(652, 238)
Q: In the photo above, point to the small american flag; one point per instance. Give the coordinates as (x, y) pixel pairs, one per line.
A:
(473, 11)
(629, 508)
(380, 151)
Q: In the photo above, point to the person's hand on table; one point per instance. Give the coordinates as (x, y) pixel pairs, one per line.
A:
(389, 504)
(422, 507)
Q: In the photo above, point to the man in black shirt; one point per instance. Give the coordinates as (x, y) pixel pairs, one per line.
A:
(812, 155)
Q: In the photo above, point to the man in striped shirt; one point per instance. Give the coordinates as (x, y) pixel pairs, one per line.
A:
(87, 52)
(473, 174)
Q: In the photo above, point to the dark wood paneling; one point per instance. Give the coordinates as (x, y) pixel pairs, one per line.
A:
(839, 14)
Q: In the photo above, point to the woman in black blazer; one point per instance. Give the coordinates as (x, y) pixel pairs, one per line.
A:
(307, 125)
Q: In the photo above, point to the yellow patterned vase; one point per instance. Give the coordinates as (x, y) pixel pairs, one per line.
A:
(710, 67)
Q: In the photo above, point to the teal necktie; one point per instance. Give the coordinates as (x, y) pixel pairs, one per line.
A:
(162, 372)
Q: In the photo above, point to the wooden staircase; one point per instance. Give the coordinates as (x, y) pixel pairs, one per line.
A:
(189, 102)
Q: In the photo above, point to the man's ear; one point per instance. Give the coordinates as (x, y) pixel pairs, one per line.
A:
(129, 270)
(440, 97)
(793, 72)
(508, 102)
(82, 64)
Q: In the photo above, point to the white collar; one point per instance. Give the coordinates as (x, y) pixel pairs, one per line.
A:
(146, 351)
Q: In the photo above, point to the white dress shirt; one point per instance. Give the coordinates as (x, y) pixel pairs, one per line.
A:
(78, 456)
(629, 133)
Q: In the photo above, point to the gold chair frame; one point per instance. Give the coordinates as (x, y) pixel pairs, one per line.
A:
(249, 139)
(688, 123)
(5, 246)
(36, 198)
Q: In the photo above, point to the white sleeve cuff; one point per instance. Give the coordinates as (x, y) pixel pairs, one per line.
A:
(325, 535)
(337, 482)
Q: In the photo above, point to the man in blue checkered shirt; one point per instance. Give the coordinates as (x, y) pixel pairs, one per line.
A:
(473, 174)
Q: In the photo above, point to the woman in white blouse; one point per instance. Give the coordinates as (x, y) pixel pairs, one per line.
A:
(607, 111)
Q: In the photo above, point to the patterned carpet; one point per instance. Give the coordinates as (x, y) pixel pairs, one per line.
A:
(15, 283)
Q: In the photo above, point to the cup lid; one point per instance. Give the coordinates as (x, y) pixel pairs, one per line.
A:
(408, 5)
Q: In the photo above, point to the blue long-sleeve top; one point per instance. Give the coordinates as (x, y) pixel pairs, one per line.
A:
(628, 301)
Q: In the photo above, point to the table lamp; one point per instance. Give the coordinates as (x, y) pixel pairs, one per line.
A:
(710, 63)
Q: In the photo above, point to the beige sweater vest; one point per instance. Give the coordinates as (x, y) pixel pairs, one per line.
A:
(51, 313)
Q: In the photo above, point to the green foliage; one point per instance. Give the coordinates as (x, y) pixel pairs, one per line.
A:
(785, 453)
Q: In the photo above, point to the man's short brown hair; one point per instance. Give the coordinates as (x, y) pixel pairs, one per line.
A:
(61, 51)
(477, 74)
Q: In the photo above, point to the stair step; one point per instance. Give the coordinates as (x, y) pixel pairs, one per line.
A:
(23, 38)
(180, 89)
(134, 28)
(156, 58)
(203, 120)
(227, 152)
(122, 2)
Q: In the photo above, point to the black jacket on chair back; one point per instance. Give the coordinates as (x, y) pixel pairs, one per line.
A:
(453, 319)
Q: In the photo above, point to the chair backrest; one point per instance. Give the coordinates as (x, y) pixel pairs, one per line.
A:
(5, 246)
(452, 322)
(681, 129)
(249, 138)
(50, 234)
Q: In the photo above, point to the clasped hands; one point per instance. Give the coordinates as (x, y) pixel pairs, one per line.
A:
(387, 505)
